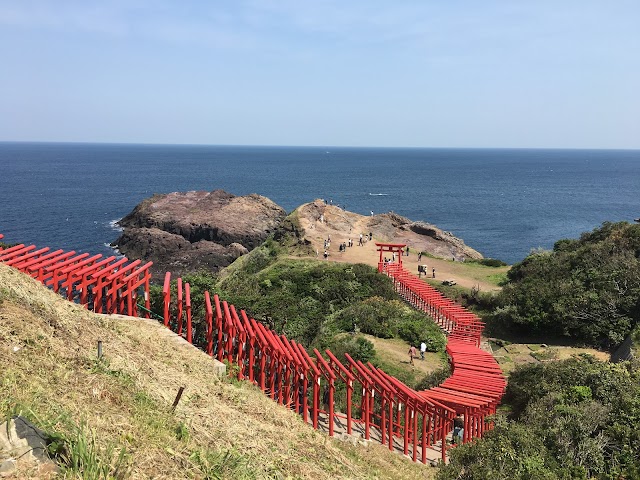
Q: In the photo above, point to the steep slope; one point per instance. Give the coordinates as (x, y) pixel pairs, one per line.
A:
(220, 429)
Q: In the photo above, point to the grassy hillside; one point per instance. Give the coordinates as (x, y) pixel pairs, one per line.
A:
(113, 416)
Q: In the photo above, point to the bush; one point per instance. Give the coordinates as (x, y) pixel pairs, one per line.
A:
(374, 316)
(489, 262)
(586, 290)
(417, 329)
(295, 297)
(388, 319)
(434, 378)
(358, 347)
(572, 419)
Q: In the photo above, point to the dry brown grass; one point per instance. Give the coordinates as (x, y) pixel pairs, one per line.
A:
(50, 374)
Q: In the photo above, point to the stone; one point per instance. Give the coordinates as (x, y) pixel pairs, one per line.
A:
(7, 467)
(48, 469)
(21, 439)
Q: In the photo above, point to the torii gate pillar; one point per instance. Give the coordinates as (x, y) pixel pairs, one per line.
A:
(397, 248)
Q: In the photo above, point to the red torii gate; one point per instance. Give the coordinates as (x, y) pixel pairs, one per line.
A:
(78, 273)
(397, 248)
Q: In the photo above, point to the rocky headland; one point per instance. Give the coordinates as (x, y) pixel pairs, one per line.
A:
(192, 231)
(319, 220)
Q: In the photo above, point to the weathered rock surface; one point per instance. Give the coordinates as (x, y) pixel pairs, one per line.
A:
(190, 231)
(316, 216)
(23, 448)
(423, 236)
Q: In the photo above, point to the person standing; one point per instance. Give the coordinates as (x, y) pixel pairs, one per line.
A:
(423, 349)
(412, 353)
(433, 272)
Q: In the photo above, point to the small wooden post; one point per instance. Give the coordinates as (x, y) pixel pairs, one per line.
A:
(177, 400)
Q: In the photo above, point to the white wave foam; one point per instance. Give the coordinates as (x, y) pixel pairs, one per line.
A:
(114, 225)
(115, 249)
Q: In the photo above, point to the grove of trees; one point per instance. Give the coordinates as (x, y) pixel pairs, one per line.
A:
(587, 290)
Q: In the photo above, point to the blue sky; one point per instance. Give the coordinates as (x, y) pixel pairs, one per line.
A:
(427, 73)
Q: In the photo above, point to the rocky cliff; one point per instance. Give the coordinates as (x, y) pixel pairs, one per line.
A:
(190, 231)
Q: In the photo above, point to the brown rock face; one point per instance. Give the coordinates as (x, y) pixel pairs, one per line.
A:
(318, 220)
(190, 231)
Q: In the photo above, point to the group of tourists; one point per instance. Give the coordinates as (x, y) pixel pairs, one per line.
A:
(342, 247)
(423, 269)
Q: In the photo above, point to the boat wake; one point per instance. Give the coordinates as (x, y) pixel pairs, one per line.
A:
(379, 194)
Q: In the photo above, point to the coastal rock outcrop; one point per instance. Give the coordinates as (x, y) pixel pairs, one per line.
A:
(319, 220)
(190, 231)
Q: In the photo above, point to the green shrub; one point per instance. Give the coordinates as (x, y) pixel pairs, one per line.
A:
(374, 316)
(585, 290)
(295, 297)
(358, 347)
(388, 319)
(489, 262)
(434, 378)
(417, 329)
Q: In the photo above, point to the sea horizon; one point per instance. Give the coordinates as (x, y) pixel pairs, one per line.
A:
(373, 147)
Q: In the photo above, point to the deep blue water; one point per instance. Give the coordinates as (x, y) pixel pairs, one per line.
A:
(501, 202)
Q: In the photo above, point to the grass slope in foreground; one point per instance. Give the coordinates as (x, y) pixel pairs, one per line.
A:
(112, 417)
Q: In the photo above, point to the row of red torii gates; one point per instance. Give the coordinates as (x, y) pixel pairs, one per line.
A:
(336, 396)
(477, 384)
(110, 285)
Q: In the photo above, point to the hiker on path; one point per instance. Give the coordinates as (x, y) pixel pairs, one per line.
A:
(412, 353)
(433, 272)
(423, 348)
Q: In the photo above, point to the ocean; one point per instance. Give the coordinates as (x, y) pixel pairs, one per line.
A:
(502, 202)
